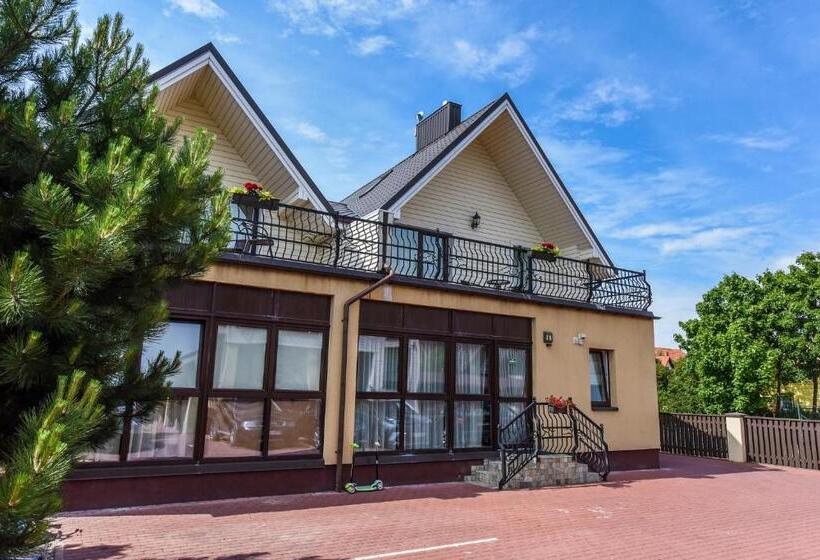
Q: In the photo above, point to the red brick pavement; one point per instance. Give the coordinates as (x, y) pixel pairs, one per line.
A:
(689, 509)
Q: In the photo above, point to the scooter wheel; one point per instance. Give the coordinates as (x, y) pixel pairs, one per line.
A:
(350, 488)
(379, 485)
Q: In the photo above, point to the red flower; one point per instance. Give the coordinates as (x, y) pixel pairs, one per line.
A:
(250, 187)
(549, 246)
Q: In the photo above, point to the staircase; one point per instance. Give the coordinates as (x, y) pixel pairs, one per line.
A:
(543, 446)
(544, 470)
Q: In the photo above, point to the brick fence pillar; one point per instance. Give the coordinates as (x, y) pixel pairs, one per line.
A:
(736, 436)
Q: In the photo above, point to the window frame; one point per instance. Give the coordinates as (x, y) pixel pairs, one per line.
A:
(449, 396)
(209, 322)
(607, 386)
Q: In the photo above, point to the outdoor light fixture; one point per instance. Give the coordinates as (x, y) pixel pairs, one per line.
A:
(476, 221)
(548, 338)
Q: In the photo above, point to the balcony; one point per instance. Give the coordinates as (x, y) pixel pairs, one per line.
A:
(281, 234)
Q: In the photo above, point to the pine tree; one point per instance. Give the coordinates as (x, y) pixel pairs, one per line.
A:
(100, 214)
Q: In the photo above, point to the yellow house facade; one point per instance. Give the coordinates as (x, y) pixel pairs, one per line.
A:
(412, 318)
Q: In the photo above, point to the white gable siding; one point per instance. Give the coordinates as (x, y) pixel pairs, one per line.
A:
(470, 183)
(223, 154)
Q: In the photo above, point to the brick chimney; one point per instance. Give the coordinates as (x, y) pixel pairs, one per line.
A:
(437, 124)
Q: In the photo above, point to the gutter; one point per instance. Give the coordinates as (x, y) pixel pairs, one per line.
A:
(340, 442)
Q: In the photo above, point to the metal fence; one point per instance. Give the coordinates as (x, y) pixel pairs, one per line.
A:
(783, 441)
(699, 435)
(280, 231)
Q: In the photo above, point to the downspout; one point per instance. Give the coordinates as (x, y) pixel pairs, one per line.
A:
(340, 442)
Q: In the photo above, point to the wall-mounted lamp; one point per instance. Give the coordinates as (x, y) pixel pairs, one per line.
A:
(476, 221)
(579, 339)
(548, 338)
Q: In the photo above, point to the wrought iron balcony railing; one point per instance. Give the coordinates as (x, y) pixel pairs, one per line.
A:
(267, 228)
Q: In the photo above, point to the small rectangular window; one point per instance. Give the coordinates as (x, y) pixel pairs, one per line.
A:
(234, 428)
(425, 424)
(294, 427)
(378, 368)
(425, 366)
(599, 382)
(176, 337)
(377, 421)
(472, 371)
(168, 434)
(240, 357)
(299, 361)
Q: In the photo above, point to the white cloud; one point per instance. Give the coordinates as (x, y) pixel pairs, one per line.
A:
(647, 231)
(611, 102)
(307, 131)
(510, 58)
(373, 44)
(771, 140)
(330, 17)
(227, 38)
(207, 9)
(712, 239)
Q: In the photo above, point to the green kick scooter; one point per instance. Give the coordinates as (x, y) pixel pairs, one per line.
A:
(351, 487)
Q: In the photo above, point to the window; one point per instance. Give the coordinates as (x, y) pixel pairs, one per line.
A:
(263, 396)
(416, 394)
(255, 412)
(599, 381)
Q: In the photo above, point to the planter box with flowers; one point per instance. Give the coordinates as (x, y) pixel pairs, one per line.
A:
(558, 405)
(251, 194)
(547, 251)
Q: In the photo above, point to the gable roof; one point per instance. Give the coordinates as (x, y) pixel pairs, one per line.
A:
(396, 185)
(208, 55)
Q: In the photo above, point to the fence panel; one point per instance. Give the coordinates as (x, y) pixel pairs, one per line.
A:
(783, 441)
(699, 435)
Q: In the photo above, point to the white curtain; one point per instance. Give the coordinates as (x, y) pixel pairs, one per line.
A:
(299, 360)
(378, 365)
(424, 424)
(471, 369)
(169, 433)
(598, 377)
(425, 366)
(240, 357)
(512, 372)
(377, 421)
(472, 422)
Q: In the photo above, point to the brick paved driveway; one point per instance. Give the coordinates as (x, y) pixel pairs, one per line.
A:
(690, 509)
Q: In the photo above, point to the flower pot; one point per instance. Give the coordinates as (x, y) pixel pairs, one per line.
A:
(250, 199)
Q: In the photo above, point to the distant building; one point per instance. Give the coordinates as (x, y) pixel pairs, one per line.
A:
(668, 357)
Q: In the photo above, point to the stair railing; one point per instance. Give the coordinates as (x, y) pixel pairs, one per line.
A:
(518, 443)
(542, 429)
(591, 448)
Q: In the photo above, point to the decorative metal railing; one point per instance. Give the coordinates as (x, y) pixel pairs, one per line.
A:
(541, 429)
(268, 228)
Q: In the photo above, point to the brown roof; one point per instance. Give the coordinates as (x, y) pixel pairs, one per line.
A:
(668, 356)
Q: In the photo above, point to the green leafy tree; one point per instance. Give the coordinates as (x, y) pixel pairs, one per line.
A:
(802, 284)
(100, 214)
(677, 388)
(724, 350)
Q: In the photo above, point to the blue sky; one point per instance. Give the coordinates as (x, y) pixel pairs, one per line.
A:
(686, 131)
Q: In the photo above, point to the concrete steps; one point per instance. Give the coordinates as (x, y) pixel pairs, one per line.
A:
(543, 471)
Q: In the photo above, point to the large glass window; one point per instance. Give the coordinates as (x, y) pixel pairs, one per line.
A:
(599, 382)
(240, 357)
(441, 394)
(299, 360)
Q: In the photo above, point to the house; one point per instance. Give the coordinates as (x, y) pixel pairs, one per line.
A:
(668, 357)
(412, 317)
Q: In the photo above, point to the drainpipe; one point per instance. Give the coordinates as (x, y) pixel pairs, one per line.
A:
(343, 386)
